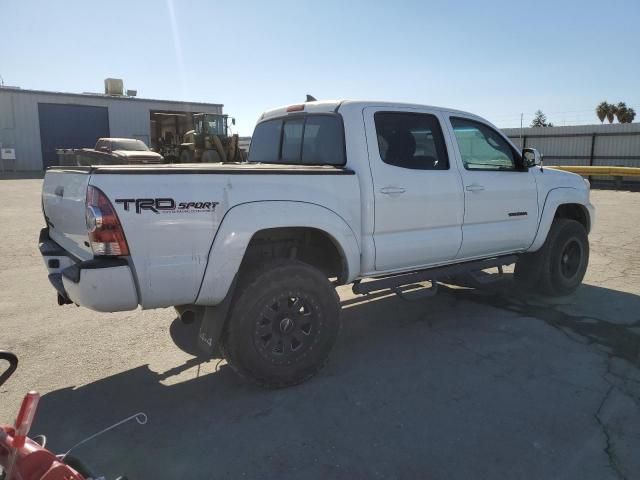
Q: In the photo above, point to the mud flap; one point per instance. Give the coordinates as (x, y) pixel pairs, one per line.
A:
(212, 324)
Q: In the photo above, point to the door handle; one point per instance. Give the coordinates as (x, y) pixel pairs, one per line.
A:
(392, 190)
(474, 188)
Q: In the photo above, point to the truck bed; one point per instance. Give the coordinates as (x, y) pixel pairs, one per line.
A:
(170, 248)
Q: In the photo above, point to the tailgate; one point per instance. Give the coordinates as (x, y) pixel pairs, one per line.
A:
(64, 195)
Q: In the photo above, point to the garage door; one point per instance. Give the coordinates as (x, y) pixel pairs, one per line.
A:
(70, 126)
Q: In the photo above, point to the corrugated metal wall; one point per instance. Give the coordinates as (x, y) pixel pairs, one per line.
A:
(128, 117)
(607, 144)
(612, 146)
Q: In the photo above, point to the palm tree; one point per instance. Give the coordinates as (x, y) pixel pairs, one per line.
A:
(611, 112)
(601, 111)
(631, 114)
(621, 112)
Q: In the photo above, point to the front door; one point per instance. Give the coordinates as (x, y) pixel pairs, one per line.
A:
(501, 197)
(417, 191)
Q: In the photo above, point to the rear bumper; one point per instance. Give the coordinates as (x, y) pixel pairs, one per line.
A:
(101, 284)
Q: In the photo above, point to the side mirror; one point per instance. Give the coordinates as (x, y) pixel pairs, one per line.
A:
(233, 121)
(531, 157)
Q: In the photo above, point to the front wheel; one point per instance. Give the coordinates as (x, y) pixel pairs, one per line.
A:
(283, 324)
(560, 265)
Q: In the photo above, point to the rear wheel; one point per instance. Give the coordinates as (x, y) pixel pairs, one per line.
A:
(560, 265)
(211, 156)
(283, 324)
(186, 156)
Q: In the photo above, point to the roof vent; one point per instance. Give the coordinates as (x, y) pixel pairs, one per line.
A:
(132, 93)
(113, 86)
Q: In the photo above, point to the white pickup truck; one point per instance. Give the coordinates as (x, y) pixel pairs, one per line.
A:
(335, 192)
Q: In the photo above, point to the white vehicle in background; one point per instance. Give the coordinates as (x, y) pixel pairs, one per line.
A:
(111, 151)
(376, 194)
(126, 151)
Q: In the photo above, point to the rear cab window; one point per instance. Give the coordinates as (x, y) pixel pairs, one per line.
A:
(313, 139)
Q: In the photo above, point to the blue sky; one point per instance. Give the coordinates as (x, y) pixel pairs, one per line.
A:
(496, 59)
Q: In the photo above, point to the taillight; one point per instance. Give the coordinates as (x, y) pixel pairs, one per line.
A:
(105, 232)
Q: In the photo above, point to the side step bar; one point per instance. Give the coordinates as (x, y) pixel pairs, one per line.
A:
(430, 274)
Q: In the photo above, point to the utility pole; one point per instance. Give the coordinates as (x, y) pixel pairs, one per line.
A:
(521, 116)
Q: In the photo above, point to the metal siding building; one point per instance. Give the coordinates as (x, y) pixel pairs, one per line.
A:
(21, 118)
(616, 144)
(599, 145)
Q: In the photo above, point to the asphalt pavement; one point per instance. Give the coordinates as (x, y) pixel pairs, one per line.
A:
(490, 383)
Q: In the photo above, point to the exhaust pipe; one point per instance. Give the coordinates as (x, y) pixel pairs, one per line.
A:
(188, 317)
(188, 313)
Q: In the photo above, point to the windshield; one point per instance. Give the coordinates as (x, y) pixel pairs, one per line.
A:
(130, 144)
(216, 125)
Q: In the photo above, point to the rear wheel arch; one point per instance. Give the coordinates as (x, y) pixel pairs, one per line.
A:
(230, 247)
(309, 245)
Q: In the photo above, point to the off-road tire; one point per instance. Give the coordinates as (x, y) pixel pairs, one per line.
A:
(265, 300)
(559, 266)
(186, 156)
(211, 156)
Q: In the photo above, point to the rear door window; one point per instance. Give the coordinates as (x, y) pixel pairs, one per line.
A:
(411, 140)
(303, 140)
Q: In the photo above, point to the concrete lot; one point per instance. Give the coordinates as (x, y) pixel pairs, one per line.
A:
(469, 384)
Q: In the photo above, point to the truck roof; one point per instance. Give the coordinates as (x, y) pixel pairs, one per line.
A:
(329, 106)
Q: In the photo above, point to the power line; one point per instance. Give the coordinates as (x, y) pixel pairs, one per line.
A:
(575, 113)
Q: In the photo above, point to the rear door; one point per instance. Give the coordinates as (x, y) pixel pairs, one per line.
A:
(64, 196)
(417, 190)
(501, 197)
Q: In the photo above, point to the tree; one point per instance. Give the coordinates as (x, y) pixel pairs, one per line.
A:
(540, 120)
(601, 111)
(621, 112)
(631, 115)
(611, 112)
(625, 114)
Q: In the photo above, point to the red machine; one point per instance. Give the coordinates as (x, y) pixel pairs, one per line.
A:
(23, 458)
(20, 457)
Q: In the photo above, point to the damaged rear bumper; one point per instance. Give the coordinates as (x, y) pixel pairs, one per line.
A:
(101, 284)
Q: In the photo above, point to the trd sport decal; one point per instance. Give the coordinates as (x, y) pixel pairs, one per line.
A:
(165, 205)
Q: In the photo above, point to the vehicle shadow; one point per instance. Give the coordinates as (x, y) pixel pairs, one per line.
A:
(409, 382)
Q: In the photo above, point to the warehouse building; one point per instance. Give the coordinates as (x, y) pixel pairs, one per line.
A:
(604, 145)
(600, 145)
(33, 123)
